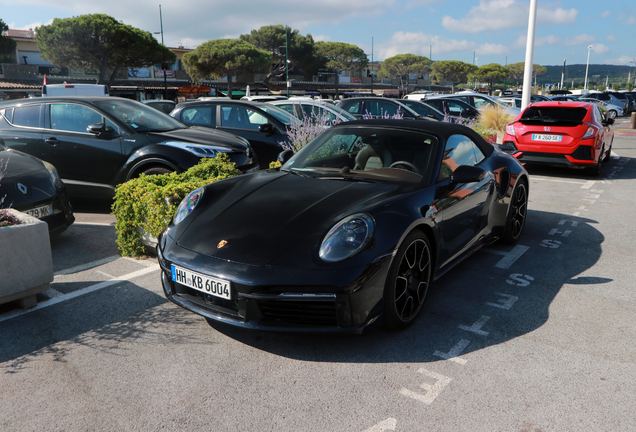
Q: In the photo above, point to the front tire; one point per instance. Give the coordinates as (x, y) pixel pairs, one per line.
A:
(517, 212)
(408, 281)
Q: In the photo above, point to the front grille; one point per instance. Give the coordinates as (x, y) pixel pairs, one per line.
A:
(318, 313)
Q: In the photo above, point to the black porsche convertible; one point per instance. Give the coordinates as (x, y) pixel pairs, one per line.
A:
(350, 231)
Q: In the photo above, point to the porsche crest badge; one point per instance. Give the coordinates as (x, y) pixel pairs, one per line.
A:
(221, 244)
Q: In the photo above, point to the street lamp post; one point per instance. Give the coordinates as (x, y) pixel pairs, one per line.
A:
(163, 65)
(287, 62)
(589, 47)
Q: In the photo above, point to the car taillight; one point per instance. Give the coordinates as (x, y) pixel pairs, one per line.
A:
(510, 129)
(590, 133)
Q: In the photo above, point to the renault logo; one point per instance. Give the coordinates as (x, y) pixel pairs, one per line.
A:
(221, 244)
(22, 188)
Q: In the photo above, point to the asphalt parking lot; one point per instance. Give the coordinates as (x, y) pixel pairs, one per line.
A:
(533, 337)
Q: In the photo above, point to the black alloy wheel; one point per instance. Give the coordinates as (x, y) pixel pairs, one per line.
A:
(408, 281)
(516, 218)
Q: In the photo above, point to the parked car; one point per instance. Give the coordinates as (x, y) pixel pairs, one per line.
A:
(262, 124)
(517, 101)
(561, 133)
(453, 107)
(263, 98)
(313, 109)
(165, 106)
(98, 142)
(568, 98)
(357, 225)
(612, 110)
(612, 98)
(377, 107)
(34, 187)
(423, 109)
(477, 100)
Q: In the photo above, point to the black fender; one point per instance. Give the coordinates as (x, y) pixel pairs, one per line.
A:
(173, 158)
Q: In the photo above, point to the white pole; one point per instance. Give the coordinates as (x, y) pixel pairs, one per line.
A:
(587, 66)
(527, 72)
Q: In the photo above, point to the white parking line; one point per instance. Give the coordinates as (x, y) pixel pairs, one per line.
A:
(86, 266)
(64, 297)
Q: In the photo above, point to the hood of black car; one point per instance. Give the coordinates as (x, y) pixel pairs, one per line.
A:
(263, 215)
(15, 163)
(200, 135)
(25, 180)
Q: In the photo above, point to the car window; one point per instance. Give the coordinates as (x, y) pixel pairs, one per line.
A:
(456, 109)
(27, 116)
(481, 102)
(199, 116)
(354, 107)
(240, 117)
(380, 108)
(73, 118)
(459, 150)
(138, 116)
(287, 107)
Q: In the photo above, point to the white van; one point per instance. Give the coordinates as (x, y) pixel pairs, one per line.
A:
(74, 90)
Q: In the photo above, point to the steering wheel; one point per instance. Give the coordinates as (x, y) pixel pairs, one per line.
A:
(408, 165)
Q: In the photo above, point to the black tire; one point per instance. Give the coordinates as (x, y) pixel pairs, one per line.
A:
(595, 170)
(609, 152)
(517, 213)
(408, 281)
(156, 170)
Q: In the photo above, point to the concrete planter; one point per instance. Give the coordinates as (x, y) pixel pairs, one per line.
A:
(26, 265)
(148, 241)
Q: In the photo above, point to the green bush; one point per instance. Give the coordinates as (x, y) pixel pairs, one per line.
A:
(150, 202)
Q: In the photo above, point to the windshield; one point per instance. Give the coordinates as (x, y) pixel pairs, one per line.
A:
(281, 115)
(140, 117)
(373, 153)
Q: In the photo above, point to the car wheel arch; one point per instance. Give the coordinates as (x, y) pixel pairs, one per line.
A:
(146, 164)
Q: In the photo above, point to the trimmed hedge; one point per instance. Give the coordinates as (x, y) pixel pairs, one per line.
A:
(150, 202)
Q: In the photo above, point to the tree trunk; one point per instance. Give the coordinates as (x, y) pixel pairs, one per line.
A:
(229, 84)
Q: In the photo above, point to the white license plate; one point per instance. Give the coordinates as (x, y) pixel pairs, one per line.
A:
(544, 137)
(205, 284)
(40, 212)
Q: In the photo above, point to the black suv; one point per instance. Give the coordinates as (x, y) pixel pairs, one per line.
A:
(263, 125)
(97, 142)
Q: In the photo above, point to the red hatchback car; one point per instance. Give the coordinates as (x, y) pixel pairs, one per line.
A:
(561, 133)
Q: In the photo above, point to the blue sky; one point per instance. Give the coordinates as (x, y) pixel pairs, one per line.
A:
(491, 31)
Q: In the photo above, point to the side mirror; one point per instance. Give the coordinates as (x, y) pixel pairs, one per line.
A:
(609, 121)
(467, 174)
(96, 128)
(285, 155)
(267, 128)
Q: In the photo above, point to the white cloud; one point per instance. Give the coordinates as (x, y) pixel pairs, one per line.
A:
(605, 14)
(582, 39)
(420, 44)
(216, 19)
(622, 60)
(492, 15)
(599, 49)
(322, 38)
(521, 41)
(611, 38)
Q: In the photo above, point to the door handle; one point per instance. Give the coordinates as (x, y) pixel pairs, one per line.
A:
(53, 141)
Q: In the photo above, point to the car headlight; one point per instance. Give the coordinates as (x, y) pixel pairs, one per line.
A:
(187, 205)
(55, 177)
(200, 150)
(347, 238)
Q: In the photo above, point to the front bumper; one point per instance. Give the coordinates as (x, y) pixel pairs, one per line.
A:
(279, 299)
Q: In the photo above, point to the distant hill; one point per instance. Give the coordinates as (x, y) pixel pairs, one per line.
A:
(597, 75)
